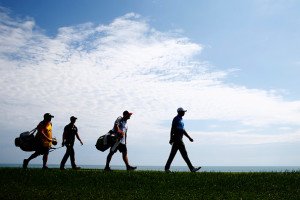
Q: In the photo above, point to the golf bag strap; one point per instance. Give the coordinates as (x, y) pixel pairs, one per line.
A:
(33, 131)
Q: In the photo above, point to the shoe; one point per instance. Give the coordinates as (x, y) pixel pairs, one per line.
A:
(130, 168)
(76, 168)
(62, 168)
(195, 169)
(167, 171)
(25, 163)
(45, 168)
(107, 169)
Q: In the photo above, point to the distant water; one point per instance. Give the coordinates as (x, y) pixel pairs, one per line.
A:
(181, 168)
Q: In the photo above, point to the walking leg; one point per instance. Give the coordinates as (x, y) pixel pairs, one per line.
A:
(45, 159)
(125, 159)
(108, 159)
(65, 158)
(34, 155)
(72, 157)
(185, 156)
(172, 155)
(26, 161)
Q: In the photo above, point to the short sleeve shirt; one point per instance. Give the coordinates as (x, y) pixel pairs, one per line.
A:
(46, 128)
(178, 127)
(178, 123)
(70, 133)
(122, 124)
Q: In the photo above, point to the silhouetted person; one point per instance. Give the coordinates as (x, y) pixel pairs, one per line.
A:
(43, 140)
(177, 132)
(70, 131)
(120, 129)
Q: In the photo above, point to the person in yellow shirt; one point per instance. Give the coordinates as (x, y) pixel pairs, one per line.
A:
(43, 141)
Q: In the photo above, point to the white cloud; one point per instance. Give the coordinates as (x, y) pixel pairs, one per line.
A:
(246, 137)
(96, 71)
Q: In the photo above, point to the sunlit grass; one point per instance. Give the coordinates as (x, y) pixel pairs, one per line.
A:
(97, 184)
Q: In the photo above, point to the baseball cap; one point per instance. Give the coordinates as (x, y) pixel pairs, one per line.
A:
(73, 118)
(125, 113)
(48, 115)
(181, 110)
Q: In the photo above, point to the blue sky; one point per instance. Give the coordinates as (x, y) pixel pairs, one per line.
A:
(232, 64)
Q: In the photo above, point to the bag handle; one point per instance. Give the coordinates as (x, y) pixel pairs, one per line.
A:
(32, 131)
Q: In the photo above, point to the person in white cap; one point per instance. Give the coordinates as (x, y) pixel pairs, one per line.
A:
(120, 128)
(177, 132)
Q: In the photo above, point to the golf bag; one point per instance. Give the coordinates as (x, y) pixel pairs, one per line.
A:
(26, 141)
(106, 141)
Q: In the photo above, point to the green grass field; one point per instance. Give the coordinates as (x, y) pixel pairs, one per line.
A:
(97, 184)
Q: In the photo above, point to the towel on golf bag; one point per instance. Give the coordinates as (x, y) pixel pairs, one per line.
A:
(106, 141)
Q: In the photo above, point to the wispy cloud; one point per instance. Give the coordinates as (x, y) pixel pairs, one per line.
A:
(97, 71)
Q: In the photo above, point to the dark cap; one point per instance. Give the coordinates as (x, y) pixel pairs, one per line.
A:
(126, 113)
(48, 115)
(73, 118)
(181, 110)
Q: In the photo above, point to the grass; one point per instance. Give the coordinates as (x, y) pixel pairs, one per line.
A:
(95, 184)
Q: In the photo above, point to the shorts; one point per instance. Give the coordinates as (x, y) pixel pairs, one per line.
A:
(41, 149)
(122, 148)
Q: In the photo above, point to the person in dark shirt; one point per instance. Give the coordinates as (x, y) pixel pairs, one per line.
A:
(177, 132)
(70, 131)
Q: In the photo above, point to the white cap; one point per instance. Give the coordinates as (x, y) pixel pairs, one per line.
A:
(181, 110)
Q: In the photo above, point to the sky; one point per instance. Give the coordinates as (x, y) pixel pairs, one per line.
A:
(233, 65)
